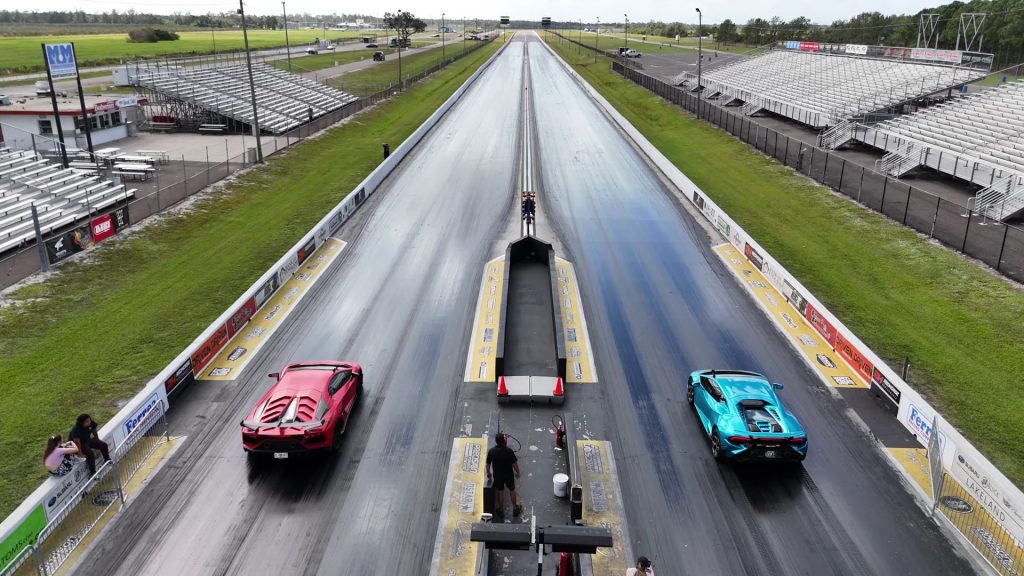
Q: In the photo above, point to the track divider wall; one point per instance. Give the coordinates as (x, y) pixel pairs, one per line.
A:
(1001, 499)
(21, 525)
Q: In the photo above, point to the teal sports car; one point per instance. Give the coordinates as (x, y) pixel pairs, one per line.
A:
(743, 416)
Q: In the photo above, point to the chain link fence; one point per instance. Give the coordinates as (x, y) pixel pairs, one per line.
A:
(967, 513)
(67, 529)
(999, 245)
(180, 179)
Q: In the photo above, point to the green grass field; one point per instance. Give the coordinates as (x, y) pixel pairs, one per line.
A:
(91, 336)
(960, 324)
(376, 78)
(997, 79)
(654, 44)
(328, 60)
(20, 54)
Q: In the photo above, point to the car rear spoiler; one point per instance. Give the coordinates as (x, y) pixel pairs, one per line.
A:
(714, 372)
(251, 425)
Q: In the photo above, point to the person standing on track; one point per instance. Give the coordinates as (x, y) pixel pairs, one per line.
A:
(505, 467)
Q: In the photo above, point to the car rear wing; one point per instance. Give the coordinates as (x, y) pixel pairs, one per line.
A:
(714, 372)
(252, 425)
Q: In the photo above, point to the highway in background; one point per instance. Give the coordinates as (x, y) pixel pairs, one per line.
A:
(400, 300)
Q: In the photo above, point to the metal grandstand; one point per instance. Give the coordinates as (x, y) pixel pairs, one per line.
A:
(198, 91)
(826, 84)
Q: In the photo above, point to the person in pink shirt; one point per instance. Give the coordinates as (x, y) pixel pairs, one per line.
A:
(58, 458)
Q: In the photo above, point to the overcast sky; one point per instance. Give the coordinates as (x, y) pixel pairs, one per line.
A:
(819, 11)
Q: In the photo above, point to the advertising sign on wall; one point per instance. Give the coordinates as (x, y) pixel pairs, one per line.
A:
(854, 358)
(879, 381)
(68, 243)
(182, 377)
(241, 316)
(107, 225)
(809, 46)
(860, 49)
(950, 56)
(753, 256)
(22, 536)
(821, 324)
(202, 356)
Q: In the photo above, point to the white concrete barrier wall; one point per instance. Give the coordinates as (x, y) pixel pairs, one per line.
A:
(990, 487)
(54, 492)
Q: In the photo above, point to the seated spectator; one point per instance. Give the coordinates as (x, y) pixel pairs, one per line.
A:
(59, 458)
(83, 434)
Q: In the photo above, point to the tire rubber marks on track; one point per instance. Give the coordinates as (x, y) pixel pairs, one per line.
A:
(579, 356)
(602, 504)
(454, 553)
(244, 346)
(965, 512)
(483, 344)
(818, 353)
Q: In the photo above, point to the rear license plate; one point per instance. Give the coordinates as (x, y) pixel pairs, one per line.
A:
(770, 453)
(280, 455)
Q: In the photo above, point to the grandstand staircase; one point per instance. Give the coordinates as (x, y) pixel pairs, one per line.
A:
(751, 107)
(837, 135)
(901, 160)
(1003, 200)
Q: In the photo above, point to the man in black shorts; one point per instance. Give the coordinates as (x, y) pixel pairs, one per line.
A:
(503, 461)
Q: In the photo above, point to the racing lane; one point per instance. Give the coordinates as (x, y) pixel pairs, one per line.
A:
(660, 304)
(400, 301)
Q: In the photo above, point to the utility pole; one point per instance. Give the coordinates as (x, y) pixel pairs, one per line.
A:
(252, 86)
(625, 31)
(463, 34)
(596, 39)
(443, 57)
(700, 53)
(398, 31)
(287, 45)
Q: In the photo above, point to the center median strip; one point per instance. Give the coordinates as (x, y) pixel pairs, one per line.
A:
(454, 553)
(243, 347)
(602, 504)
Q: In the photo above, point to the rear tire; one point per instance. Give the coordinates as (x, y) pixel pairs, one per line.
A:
(689, 393)
(339, 433)
(716, 445)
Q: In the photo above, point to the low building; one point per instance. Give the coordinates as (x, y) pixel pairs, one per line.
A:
(30, 117)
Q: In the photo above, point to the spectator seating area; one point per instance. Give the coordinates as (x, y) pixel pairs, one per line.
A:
(61, 196)
(978, 137)
(823, 89)
(285, 100)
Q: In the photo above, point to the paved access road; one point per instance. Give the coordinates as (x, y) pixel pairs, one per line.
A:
(401, 299)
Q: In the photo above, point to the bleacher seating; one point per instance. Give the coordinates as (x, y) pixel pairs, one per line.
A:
(60, 196)
(824, 89)
(284, 100)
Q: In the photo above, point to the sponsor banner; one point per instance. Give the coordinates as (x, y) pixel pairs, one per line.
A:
(795, 298)
(128, 101)
(335, 222)
(61, 60)
(753, 256)
(854, 358)
(949, 56)
(241, 316)
(22, 536)
(793, 44)
(821, 324)
(266, 291)
(106, 106)
(878, 380)
(360, 196)
(698, 200)
(976, 60)
(151, 403)
(860, 49)
(107, 225)
(181, 378)
(306, 250)
(66, 486)
(897, 53)
(202, 356)
(988, 492)
(810, 46)
(68, 243)
(920, 423)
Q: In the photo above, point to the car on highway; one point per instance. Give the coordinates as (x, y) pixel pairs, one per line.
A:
(306, 410)
(630, 53)
(743, 417)
(372, 45)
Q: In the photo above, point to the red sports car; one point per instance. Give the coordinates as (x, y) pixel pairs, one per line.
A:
(306, 410)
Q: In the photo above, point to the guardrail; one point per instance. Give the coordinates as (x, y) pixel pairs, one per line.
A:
(89, 503)
(999, 501)
(30, 519)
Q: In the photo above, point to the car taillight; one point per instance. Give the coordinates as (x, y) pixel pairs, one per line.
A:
(797, 440)
(738, 439)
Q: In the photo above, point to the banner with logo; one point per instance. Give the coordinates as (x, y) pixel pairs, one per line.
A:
(809, 46)
(68, 243)
(978, 60)
(22, 536)
(181, 377)
(107, 225)
(859, 49)
(948, 56)
(853, 357)
(60, 58)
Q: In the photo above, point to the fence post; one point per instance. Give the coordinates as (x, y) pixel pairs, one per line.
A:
(967, 231)
(117, 476)
(999, 261)
(935, 217)
(156, 174)
(37, 554)
(885, 186)
(824, 173)
(207, 165)
(184, 170)
(167, 427)
(860, 186)
(906, 209)
(842, 170)
(227, 157)
(785, 158)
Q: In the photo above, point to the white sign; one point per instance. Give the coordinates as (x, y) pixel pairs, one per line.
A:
(61, 60)
(856, 49)
(951, 56)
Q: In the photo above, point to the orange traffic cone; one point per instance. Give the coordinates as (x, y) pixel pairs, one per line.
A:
(502, 388)
(558, 387)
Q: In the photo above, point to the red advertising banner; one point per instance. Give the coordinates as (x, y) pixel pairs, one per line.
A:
(241, 316)
(852, 355)
(753, 256)
(202, 356)
(821, 324)
(102, 228)
(810, 46)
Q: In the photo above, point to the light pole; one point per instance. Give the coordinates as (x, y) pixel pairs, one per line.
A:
(213, 35)
(287, 46)
(596, 39)
(442, 38)
(398, 31)
(463, 34)
(700, 53)
(252, 86)
(625, 31)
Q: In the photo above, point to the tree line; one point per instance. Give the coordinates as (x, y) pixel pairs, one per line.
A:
(210, 20)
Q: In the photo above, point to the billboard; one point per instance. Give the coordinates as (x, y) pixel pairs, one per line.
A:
(859, 49)
(61, 60)
(947, 56)
(68, 243)
(107, 225)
